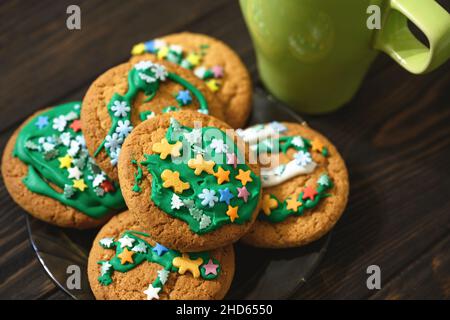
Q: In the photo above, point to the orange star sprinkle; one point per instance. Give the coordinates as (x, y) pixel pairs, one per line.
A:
(268, 204)
(317, 145)
(232, 212)
(126, 256)
(222, 175)
(200, 165)
(164, 148)
(184, 263)
(171, 179)
(293, 203)
(244, 176)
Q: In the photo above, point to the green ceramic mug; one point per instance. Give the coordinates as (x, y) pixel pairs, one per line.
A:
(313, 54)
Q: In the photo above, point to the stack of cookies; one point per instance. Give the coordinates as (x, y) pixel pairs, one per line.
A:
(155, 156)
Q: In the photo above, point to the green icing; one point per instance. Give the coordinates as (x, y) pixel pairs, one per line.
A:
(281, 212)
(202, 218)
(40, 145)
(144, 77)
(143, 252)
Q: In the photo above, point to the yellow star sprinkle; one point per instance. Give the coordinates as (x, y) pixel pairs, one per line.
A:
(222, 175)
(65, 162)
(164, 148)
(171, 179)
(268, 204)
(79, 184)
(232, 212)
(200, 165)
(184, 263)
(162, 52)
(317, 145)
(193, 59)
(126, 256)
(293, 203)
(138, 49)
(244, 176)
(213, 85)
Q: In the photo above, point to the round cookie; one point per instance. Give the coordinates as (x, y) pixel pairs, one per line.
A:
(212, 61)
(45, 168)
(188, 180)
(125, 264)
(129, 93)
(305, 193)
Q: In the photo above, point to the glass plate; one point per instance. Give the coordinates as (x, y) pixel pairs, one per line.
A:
(260, 273)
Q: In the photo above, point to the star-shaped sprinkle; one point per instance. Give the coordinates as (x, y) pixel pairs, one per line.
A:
(232, 212)
(222, 175)
(41, 122)
(163, 275)
(159, 249)
(268, 204)
(126, 256)
(213, 85)
(225, 195)
(65, 162)
(126, 241)
(232, 159)
(107, 186)
(317, 145)
(208, 197)
(164, 148)
(184, 97)
(210, 268)
(99, 178)
(244, 176)
(79, 184)
(74, 173)
(324, 180)
(152, 292)
(292, 203)
(193, 59)
(200, 165)
(309, 192)
(185, 263)
(107, 242)
(243, 193)
(140, 247)
(76, 125)
(217, 71)
(171, 179)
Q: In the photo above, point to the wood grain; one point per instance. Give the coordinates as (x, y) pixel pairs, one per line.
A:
(394, 136)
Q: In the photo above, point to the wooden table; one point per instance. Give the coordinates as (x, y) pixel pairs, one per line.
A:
(394, 135)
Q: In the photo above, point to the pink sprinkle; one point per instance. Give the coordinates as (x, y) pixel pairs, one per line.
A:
(210, 268)
(243, 193)
(218, 71)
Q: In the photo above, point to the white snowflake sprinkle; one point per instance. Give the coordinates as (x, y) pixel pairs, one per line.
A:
(124, 128)
(146, 78)
(159, 71)
(208, 197)
(143, 65)
(219, 146)
(302, 158)
(59, 123)
(120, 108)
(298, 142)
(65, 138)
(194, 137)
(113, 142)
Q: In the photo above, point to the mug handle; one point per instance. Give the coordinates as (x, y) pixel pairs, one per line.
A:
(395, 38)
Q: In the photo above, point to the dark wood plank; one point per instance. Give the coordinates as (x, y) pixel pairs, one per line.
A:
(395, 138)
(426, 278)
(42, 61)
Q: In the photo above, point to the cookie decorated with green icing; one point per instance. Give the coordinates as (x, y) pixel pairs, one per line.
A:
(126, 264)
(305, 184)
(189, 179)
(212, 61)
(132, 92)
(48, 171)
